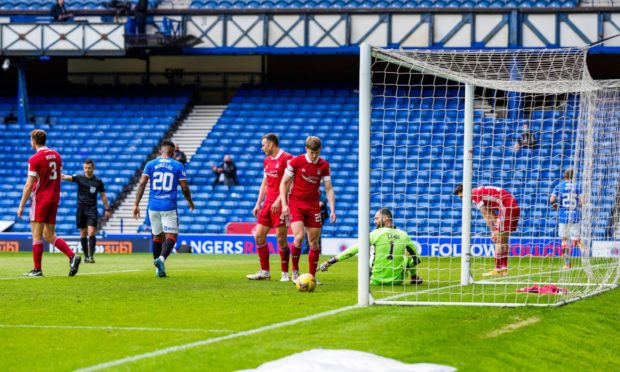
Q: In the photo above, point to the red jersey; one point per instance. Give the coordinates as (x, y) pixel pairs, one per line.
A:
(46, 167)
(494, 198)
(274, 171)
(307, 177)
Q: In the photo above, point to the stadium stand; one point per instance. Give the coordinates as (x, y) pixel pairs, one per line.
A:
(300, 4)
(422, 177)
(425, 175)
(297, 4)
(293, 114)
(118, 133)
(70, 4)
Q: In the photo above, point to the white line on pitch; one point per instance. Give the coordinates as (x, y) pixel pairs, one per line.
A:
(105, 328)
(490, 281)
(208, 341)
(513, 326)
(61, 276)
(405, 294)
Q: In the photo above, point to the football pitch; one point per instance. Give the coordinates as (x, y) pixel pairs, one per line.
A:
(116, 315)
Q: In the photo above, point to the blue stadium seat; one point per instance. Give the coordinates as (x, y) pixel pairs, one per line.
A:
(80, 137)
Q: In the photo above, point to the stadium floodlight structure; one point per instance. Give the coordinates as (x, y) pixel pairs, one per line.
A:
(430, 119)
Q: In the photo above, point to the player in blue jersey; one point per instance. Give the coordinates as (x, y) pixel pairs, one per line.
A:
(165, 175)
(566, 199)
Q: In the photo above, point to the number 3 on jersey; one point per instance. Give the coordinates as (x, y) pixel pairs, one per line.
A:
(162, 181)
(54, 172)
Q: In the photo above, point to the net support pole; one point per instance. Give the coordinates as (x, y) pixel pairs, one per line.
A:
(468, 159)
(363, 224)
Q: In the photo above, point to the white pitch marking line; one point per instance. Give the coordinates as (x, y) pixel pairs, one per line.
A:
(490, 281)
(513, 326)
(208, 341)
(62, 276)
(111, 328)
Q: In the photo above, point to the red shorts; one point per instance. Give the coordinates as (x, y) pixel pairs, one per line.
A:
(43, 212)
(308, 212)
(508, 219)
(268, 218)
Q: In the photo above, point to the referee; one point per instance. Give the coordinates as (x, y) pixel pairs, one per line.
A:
(87, 216)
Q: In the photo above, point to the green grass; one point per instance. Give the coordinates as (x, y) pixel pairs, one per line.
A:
(442, 278)
(208, 296)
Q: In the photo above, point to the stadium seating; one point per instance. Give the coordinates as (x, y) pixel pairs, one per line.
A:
(69, 4)
(297, 4)
(293, 114)
(416, 180)
(423, 176)
(300, 4)
(118, 133)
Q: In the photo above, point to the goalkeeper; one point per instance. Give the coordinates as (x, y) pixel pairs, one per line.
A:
(393, 256)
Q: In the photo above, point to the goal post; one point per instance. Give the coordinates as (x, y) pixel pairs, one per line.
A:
(364, 175)
(468, 158)
(514, 120)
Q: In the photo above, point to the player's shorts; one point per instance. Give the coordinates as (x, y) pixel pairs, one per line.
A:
(86, 216)
(164, 221)
(569, 230)
(308, 212)
(44, 212)
(270, 219)
(508, 219)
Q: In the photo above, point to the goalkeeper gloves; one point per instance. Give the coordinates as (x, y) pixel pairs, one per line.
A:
(327, 264)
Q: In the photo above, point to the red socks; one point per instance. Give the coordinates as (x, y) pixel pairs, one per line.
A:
(63, 247)
(285, 252)
(295, 252)
(501, 262)
(313, 259)
(263, 256)
(37, 253)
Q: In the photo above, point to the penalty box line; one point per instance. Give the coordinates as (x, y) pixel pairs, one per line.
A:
(208, 341)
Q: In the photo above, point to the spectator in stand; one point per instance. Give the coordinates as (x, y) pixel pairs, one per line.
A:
(59, 12)
(527, 139)
(140, 12)
(179, 155)
(10, 118)
(225, 173)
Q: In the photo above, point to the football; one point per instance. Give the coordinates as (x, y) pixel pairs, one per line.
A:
(306, 283)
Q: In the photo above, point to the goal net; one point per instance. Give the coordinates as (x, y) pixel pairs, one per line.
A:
(516, 122)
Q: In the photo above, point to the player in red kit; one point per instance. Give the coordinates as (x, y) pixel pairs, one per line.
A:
(306, 172)
(269, 216)
(43, 184)
(501, 213)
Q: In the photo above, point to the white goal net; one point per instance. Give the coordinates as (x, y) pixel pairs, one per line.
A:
(529, 126)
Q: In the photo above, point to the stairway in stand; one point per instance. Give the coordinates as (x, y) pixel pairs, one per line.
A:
(189, 137)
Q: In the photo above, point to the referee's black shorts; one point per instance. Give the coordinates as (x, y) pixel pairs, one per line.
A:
(86, 216)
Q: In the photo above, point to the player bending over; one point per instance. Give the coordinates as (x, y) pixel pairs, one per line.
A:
(165, 175)
(393, 254)
(568, 193)
(501, 213)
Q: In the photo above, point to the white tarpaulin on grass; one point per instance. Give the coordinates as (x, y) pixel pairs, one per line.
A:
(344, 361)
